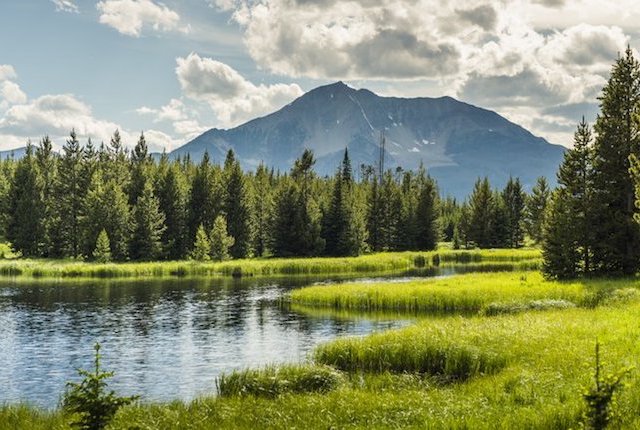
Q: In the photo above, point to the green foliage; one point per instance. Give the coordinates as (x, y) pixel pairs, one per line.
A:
(148, 226)
(237, 208)
(202, 246)
(102, 252)
(221, 241)
(344, 229)
(70, 191)
(25, 228)
(513, 198)
(568, 239)
(600, 398)
(616, 241)
(275, 381)
(92, 404)
(535, 209)
(482, 209)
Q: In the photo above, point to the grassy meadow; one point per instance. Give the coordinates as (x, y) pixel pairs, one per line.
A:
(505, 350)
(367, 264)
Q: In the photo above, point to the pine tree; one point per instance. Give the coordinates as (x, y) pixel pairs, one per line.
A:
(146, 243)
(561, 258)
(221, 241)
(298, 217)
(117, 166)
(204, 198)
(427, 215)
(568, 235)
(482, 212)
(514, 200)
(201, 246)
(106, 207)
(344, 229)
(375, 214)
(263, 207)
(70, 194)
(617, 237)
(25, 228)
(102, 251)
(140, 173)
(173, 197)
(237, 208)
(535, 209)
(47, 168)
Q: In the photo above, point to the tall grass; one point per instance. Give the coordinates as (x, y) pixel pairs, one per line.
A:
(373, 263)
(274, 381)
(495, 292)
(424, 352)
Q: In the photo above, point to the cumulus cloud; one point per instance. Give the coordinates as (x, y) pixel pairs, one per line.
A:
(7, 72)
(65, 6)
(175, 110)
(129, 17)
(484, 16)
(233, 98)
(10, 92)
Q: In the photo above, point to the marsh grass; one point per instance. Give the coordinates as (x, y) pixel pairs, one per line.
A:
(273, 381)
(488, 293)
(427, 353)
(374, 263)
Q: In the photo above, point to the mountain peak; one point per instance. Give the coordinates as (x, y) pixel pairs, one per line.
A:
(455, 141)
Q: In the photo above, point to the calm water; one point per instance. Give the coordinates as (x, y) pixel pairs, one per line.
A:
(164, 339)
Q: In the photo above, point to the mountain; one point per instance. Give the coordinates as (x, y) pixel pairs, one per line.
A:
(16, 153)
(457, 142)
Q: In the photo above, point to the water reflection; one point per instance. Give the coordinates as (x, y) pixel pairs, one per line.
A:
(165, 339)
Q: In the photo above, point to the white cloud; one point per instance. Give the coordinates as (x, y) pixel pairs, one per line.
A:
(56, 115)
(512, 56)
(11, 93)
(129, 17)
(175, 110)
(66, 6)
(233, 98)
(7, 72)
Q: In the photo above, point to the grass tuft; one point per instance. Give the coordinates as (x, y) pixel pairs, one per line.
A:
(274, 381)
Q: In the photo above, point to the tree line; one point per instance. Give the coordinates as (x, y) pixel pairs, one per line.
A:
(592, 223)
(108, 203)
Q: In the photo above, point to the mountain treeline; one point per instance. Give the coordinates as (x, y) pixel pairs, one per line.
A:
(592, 223)
(108, 203)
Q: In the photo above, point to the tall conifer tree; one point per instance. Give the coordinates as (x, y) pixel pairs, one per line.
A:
(617, 236)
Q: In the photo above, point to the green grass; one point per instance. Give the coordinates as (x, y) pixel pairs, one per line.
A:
(273, 381)
(373, 263)
(490, 293)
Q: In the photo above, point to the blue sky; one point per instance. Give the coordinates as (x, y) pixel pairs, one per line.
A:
(177, 68)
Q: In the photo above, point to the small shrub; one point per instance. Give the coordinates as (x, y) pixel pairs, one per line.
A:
(419, 261)
(102, 253)
(435, 260)
(600, 398)
(89, 401)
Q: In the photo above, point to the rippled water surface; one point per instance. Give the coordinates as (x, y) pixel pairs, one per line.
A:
(165, 339)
